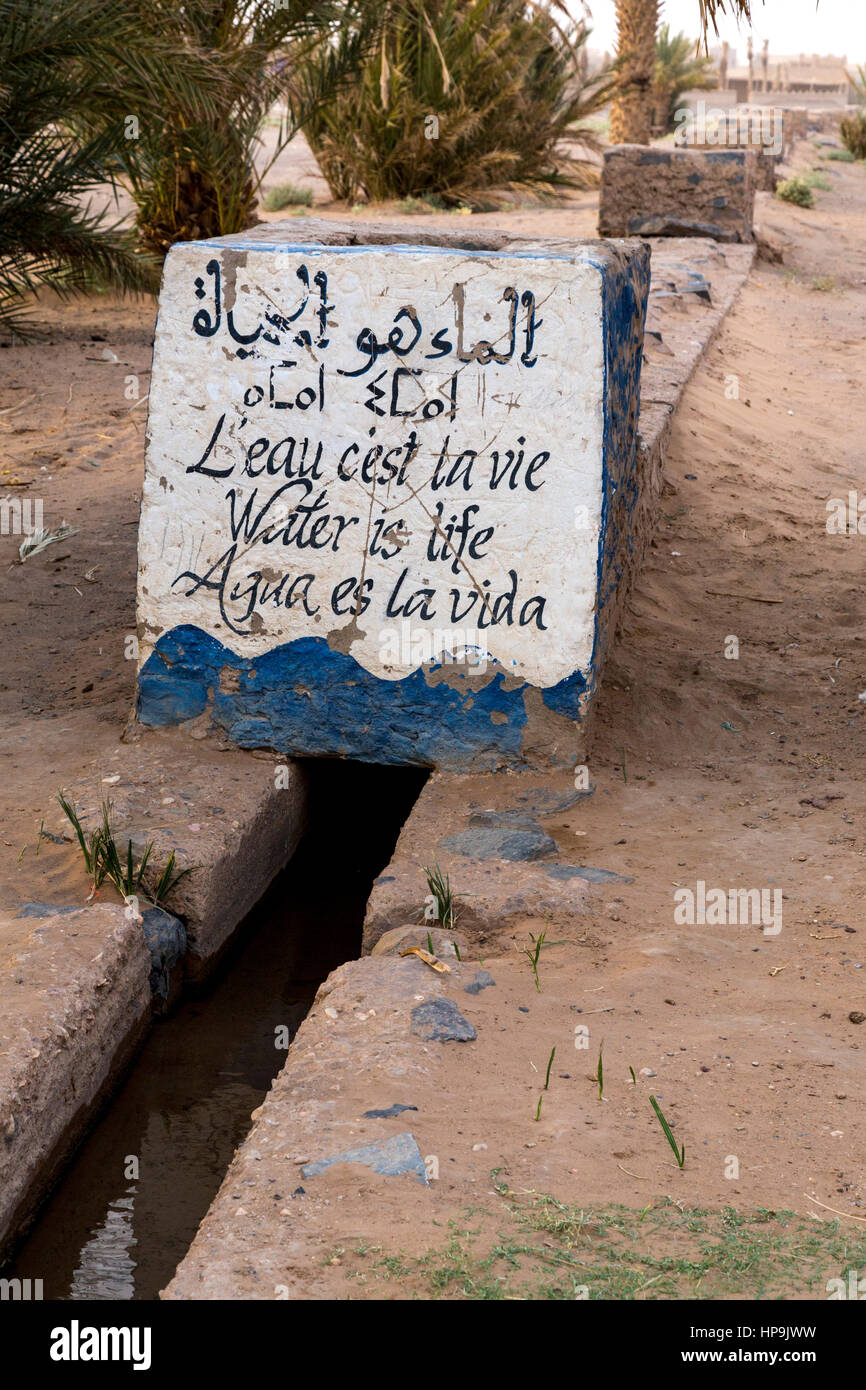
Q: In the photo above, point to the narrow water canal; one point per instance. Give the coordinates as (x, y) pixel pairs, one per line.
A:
(185, 1105)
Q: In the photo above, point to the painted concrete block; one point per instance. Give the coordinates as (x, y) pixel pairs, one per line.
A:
(389, 489)
(677, 192)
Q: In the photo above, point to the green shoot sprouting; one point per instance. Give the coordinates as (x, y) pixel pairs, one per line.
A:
(679, 1153)
(546, 1081)
(168, 880)
(104, 860)
(439, 885)
(532, 954)
(549, 1065)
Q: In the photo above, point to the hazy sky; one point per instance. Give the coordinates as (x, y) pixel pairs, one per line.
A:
(792, 26)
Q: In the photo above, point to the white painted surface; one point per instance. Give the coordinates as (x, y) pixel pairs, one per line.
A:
(549, 535)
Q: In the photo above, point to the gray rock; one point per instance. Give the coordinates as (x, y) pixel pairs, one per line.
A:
(483, 979)
(590, 874)
(500, 842)
(166, 940)
(679, 226)
(46, 909)
(388, 1114)
(545, 802)
(391, 1157)
(515, 819)
(440, 1020)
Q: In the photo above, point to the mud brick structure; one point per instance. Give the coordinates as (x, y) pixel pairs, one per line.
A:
(731, 135)
(680, 192)
(766, 177)
(390, 490)
(761, 130)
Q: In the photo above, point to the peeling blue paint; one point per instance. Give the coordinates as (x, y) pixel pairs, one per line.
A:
(625, 291)
(304, 698)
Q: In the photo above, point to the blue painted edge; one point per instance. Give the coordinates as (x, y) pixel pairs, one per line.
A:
(625, 280)
(304, 699)
(403, 249)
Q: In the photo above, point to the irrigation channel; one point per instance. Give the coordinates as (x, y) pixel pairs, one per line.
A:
(185, 1104)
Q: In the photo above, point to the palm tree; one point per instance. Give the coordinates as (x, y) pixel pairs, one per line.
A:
(192, 169)
(679, 68)
(50, 58)
(462, 100)
(637, 20)
(631, 109)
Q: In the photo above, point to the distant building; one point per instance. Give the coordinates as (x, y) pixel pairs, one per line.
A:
(818, 76)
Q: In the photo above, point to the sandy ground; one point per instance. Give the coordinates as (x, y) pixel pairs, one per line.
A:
(741, 773)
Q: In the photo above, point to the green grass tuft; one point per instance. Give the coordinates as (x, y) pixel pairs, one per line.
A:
(535, 1247)
(287, 195)
(796, 191)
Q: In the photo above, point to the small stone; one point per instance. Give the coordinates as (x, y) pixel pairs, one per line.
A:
(391, 1158)
(856, 1017)
(482, 980)
(440, 1020)
(388, 1114)
(46, 909)
(166, 940)
(586, 871)
(479, 1148)
(501, 842)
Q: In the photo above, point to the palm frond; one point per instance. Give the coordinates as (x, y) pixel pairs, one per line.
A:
(50, 58)
(484, 99)
(711, 9)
